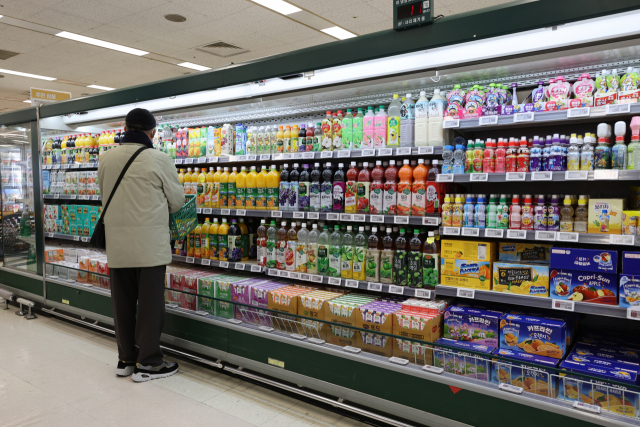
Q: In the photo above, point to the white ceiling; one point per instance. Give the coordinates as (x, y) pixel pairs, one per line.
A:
(141, 24)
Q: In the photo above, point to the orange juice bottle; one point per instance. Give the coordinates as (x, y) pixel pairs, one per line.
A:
(241, 188)
(181, 176)
(273, 186)
(223, 232)
(200, 189)
(204, 239)
(280, 140)
(213, 239)
(293, 142)
(192, 138)
(419, 189)
(208, 189)
(224, 180)
(231, 188)
(251, 191)
(197, 236)
(190, 243)
(403, 206)
(215, 193)
(187, 181)
(286, 142)
(261, 189)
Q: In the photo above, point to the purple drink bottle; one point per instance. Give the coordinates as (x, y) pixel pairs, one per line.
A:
(553, 214)
(535, 161)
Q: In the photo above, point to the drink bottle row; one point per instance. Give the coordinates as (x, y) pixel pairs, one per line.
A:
(79, 149)
(362, 188)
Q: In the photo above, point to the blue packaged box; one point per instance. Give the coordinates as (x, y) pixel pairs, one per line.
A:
(629, 290)
(610, 340)
(630, 262)
(614, 398)
(604, 363)
(534, 335)
(461, 362)
(584, 260)
(584, 286)
(531, 378)
(472, 325)
(614, 354)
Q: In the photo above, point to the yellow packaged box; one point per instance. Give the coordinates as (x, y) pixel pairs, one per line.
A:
(605, 216)
(630, 222)
(465, 282)
(512, 251)
(466, 268)
(466, 249)
(521, 278)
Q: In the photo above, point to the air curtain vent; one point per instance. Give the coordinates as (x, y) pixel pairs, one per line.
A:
(221, 49)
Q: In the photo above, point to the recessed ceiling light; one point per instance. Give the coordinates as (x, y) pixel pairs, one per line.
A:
(28, 101)
(101, 43)
(101, 87)
(194, 66)
(339, 33)
(279, 6)
(33, 76)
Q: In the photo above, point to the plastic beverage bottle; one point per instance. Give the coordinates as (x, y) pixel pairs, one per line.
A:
(553, 214)
(310, 138)
(587, 154)
(244, 234)
(381, 124)
(301, 255)
(478, 157)
(215, 193)
(555, 162)
(347, 253)
(376, 194)
(351, 189)
(323, 251)
(403, 206)
(457, 211)
(294, 146)
(581, 222)
(430, 262)
(492, 211)
(540, 214)
(357, 132)
(602, 151)
(286, 140)
(318, 134)
(480, 212)
(447, 211)
(283, 202)
(262, 242)
(204, 239)
(393, 123)
(369, 128)
(407, 122)
(209, 190)
(224, 185)
(372, 260)
(363, 189)
(314, 189)
(512, 156)
(422, 122)
(387, 257)
(501, 156)
(347, 131)
(326, 189)
(619, 150)
(335, 253)
(502, 217)
(573, 154)
(419, 190)
(303, 189)
(468, 217)
(234, 242)
(337, 131)
(279, 148)
(389, 201)
(515, 213)
(447, 156)
(261, 189)
(251, 191)
(241, 188)
(197, 240)
(489, 158)
(327, 133)
(213, 240)
(223, 247)
(294, 188)
(437, 106)
(459, 156)
(232, 187)
(338, 189)
(546, 149)
(566, 216)
(523, 156)
(187, 181)
(535, 157)
(181, 176)
(414, 260)
(281, 246)
(273, 186)
(527, 220)
(468, 160)
(633, 153)
(312, 250)
(400, 260)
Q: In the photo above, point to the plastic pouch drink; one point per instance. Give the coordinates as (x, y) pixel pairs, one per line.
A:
(376, 195)
(418, 189)
(381, 128)
(351, 189)
(389, 201)
(403, 206)
(369, 129)
(364, 188)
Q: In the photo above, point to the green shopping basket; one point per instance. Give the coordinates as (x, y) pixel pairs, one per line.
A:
(186, 219)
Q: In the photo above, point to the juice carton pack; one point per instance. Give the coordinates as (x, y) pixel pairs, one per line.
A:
(534, 335)
(605, 216)
(466, 282)
(285, 300)
(576, 275)
(206, 286)
(470, 250)
(630, 222)
(466, 268)
(472, 325)
(604, 363)
(534, 252)
(594, 260)
(419, 305)
(521, 278)
(630, 262)
(312, 304)
(629, 290)
(461, 362)
(532, 379)
(344, 310)
(418, 326)
(614, 354)
(612, 398)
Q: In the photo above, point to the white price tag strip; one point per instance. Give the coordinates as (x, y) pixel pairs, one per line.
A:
(385, 152)
(444, 177)
(376, 218)
(206, 262)
(351, 283)
(95, 197)
(368, 153)
(377, 287)
(313, 215)
(576, 175)
(256, 268)
(516, 234)
(425, 150)
(346, 217)
(297, 156)
(430, 220)
(287, 156)
(433, 369)
(523, 117)
(188, 161)
(621, 239)
(516, 176)
(606, 174)
(298, 215)
(546, 235)
(241, 212)
(401, 220)
(351, 349)
(202, 160)
(511, 388)
(633, 314)
(316, 278)
(358, 218)
(399, 290)
(214, 160)
(469, 231)
(398, 361)
(326, 154)
(423, 293)
(618, 109)
(451, 231)
(333, 217)
(452, 123)
(541, 176)
(308, 156)
(578, 112)
(276, 214)
(585, 406)
(283, 273)
(198, 210)
(466, 293)
(191, 260)
(488, 120)
(224, 264)
(208, 211)
(478, 177)
(85, 239)
(565, 236)
(344, 153)
(305, 277)
(294, 275)
(405, 151)
(334, 281)
(225, 211)
(239, 266)
(251, 158)
(564, 305)
(272, 272)
(76, 238)
(265, 157)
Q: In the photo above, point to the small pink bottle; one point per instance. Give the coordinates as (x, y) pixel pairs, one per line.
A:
(501, 156)
(515, 213)
(489, 160)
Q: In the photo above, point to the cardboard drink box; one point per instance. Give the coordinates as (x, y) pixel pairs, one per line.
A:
(461, 362)
(595, 260)
(532, 379)
(629, 291)
(418, 326)
(530, 252)
(534, 335)
(630, 262)
(285, 300)
(469, 250)
(312, 304)
(344, 311)
(521, 278)
(472, 325)
(605, 216)
(376, 316)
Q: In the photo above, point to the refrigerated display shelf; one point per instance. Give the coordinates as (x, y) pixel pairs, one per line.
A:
(83, 239)
(241, 266)
(72, 197)
(77, 285)
(542, 236)
(75, 166)
(516, 177)
(431, 219)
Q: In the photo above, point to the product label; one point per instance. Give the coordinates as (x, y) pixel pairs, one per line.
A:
(389, 198)
(240, 197)
(363, 197)
(334, 269)
(223, 195)
(223, 252)
(430, 270)
(400, 268)
(372, 265)
(323, 259)
(261, 198)
(303, 196)
(393, 138)
(283, 202)
(213, 246)
(231, 194)
(403, 206)
(293, 196)
(414, 269)
(338, 196)
(290, 255)
(281, 248)
(272, 198)
(312, 258)
(301, 258)
(314, 197)
(234, 245)
(418, 199)
(262, 251)
(376, 198)
(380, 133)
(280, 145)
(346, 260)
(326, 197)
(386, 266)
(359, 255)
(250, 200)
(215, 194)
(350, 197)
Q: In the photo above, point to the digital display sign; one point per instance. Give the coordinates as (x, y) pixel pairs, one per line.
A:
(412, 13)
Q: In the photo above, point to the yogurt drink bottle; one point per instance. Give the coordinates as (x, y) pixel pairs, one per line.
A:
(436, 116)
(422, 121)
(407, 122)
(393, 131)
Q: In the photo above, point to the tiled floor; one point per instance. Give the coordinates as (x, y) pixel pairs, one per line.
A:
(53, 373)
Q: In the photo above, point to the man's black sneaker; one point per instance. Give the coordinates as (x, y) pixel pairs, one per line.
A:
(144, 373)
(125, 369)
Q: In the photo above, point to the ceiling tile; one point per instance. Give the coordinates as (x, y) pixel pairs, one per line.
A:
(96, 11)
(19, 9)
(63, 20)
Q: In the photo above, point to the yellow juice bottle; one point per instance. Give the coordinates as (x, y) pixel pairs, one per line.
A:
(112, 137)
(215, 195)
(192, 138)
(244, 238)
(231, 187)
(201, 191)
(273, 185)
(280, 140)
(293, 142)
(181, 176)
(196, 142)
(223, 231)
(190, 243)
(261, 189)
(187, 181)
(286, 140)
(208, 189)
(241, 188)
(224, 181)
(251, 191)
(197, 236)
(213, 239)
(204, 239)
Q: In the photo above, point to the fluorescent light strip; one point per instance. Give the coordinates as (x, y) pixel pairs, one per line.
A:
(339, 33)
(279, 6)
(101, 43)
(101, 87)
(193, 66)
(32, 76)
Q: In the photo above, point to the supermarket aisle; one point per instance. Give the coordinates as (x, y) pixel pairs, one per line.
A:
(53, 373)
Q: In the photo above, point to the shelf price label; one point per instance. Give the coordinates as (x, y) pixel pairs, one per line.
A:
(202, 160)
(49, 235)
(445, 177)
(349, 283)
(207, 211)
(469, 231)
(564, 305)
(425, 150)
(85, 239)
(198, 210)
(214, 160)
(287, 156)
(385, 152)
(368, 153)
(333, 217)
(430, 220)
(565, 236)
(344, 153)
(546, 235)
(223, 264)
(377, 287)
(516, 234)
(95, 197)
(294, 275)
(334, 281)
(576, 175)
(305, 277)
(206, 262)
(276, 214)
(466, 293)
(510, 388)
(488, 120)
(316, 278)
(523, 117)
(451, 231)
(606, 174)
(633, 314)
(346, 217)
(190, 260)
(621, 239)
(251, 158)
(398, 290)
(401, 220)
(423, 293)
(239, 266)
(595, 409)
(256, 268)
(516, 176)
(573, 113)
(376, 218)
(297, 156)
(313, 215)
(76, 238)
(494, 232)
(241, 212)
(618, 109)
(272, 272)
(359, 218)
(405, 151)
(308, 156)
(283, 273)
(541, 176)
(298, 215)
(326, 154)
(277, 157)
(225, 211)
(451, 123)
(265, 157)
(478, 177)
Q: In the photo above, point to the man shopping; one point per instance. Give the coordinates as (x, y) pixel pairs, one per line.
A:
(138, 244)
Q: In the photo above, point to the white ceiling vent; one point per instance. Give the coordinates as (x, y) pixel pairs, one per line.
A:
(6, 54)
(221, 49)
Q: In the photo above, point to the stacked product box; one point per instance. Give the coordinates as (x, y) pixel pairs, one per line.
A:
(472, 325)
(312, 304)
(91, 264)
(206, 288)
(77, 220)
(259, 298)
(533, 335)
(285, 301)
(532, 379)
(460, 361)
(419, 320)
(222, 292)
(585, 275)
(629, 284)
(344, 311)
(467, 264)
(522, 269)
(168, 294)
(184, 281)
(74, 183)
(376, 316)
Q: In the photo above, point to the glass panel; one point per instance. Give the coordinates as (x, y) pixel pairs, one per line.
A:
(18, 225)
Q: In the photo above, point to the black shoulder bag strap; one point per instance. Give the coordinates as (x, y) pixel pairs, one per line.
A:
(98, 239)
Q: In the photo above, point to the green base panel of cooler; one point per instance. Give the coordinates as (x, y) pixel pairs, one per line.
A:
(25, 285)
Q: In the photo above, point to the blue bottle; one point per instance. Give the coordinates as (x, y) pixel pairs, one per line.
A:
(459, 156)
(481, 211)
(546, 150)
(468, 217)
(555, 154)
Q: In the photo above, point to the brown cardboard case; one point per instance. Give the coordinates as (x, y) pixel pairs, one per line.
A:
(335, 335)
(371, 342)
(410, 350)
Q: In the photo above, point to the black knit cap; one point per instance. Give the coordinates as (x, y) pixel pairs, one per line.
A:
(140, 119)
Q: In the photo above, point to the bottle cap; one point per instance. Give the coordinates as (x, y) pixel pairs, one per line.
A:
(435, 162)
(340, 165)
(348, 228)
(405, 162)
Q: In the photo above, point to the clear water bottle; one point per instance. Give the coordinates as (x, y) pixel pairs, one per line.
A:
(447, 156)
(459, 155)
